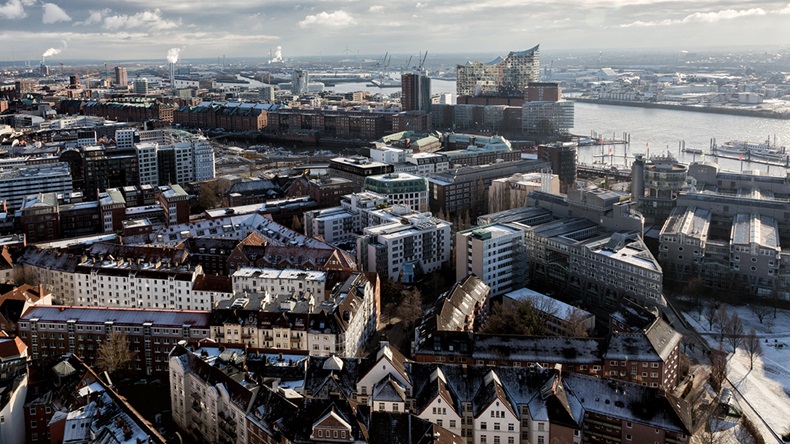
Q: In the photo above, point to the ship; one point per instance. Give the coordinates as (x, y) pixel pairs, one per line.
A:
(385, 82)
(759, 150)
(692, 150)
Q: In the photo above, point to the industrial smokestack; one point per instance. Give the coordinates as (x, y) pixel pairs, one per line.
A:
(172, 58)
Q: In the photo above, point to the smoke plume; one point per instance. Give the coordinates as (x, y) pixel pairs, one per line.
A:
(172, 55)
(51, 52)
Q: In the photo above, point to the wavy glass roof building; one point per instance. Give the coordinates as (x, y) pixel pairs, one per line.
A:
(507, 76)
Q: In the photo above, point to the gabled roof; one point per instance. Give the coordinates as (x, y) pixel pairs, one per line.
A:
(490, 392)
(405, 428)
(388, 390)
(437, 387)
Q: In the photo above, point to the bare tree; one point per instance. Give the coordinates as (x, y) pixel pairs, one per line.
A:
(710, 315)
(575, 323)
(753, 347)
(761, 311)
(734, 331)
(718, 367)
(26, 275)
(410, 308)
(720, 320)
(114, 353)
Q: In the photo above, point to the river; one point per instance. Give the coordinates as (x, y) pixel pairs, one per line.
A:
(652, 131)
(660, 130)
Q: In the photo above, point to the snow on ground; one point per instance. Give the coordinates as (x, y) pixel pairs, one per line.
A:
(767, 385)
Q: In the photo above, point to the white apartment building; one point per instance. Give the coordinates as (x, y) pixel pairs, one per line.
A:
(111, 282)
(18, 182)
(341, 324)
(273, 281)
(490, 252)
(399, 249)
(429, 163)
(191, 156)
(127, 138)
(389, 154)
(206, 401)
(341, 224)
(148, 163)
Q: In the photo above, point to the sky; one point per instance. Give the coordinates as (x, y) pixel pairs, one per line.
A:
(147, 29)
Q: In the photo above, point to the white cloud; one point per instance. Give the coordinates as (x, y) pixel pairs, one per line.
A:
(53, 14)
(376, 8)
(15, 9)
(699, 17)
(336, 19)
(94, 17)
(420, 5)
(146, 19)
(786, 10)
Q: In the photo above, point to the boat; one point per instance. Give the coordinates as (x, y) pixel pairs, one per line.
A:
(692, 150)
(385, 82)
(759, 150)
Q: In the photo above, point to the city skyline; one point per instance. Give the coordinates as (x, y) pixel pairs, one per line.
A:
(145, 29)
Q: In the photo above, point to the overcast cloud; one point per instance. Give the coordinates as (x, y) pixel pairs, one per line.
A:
(146, 29)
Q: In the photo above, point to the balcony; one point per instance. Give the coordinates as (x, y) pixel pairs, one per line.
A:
(196, 407)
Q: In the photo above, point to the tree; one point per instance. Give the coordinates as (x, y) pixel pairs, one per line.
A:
(695, 287)
(718, 367)
(710, 315)
(720, 320)
(296, 223)
(114, 353)
(211, 195)
(410, 308)
(734, 331)
(518, 318)
(575, 323)
(26, 275)
(761, 311)
(753, 346)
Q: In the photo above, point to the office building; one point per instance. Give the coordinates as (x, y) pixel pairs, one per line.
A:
(400, 189)
(18, 182)
(461, 190)
(416, 91)
(547, 117)
(140, 87)
(404, 248)
(494, 253)
(121, 77)
(357, 169)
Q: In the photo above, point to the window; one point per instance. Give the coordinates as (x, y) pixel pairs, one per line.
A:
(496, 426)
(452, 423)
(541, 426)
(483, 426)
(629, 424)
(496, 439)
(510, 440)
(320, 433)
(628, 437)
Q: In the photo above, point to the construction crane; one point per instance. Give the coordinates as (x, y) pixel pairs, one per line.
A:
(422, 62)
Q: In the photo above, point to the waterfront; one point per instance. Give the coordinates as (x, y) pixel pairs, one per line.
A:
(652, 131)
(658, 131)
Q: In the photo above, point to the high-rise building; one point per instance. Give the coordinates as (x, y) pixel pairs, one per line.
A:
(141, 87)
(299, 81)
(120, 76)
(416, 91)
(506, 77)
